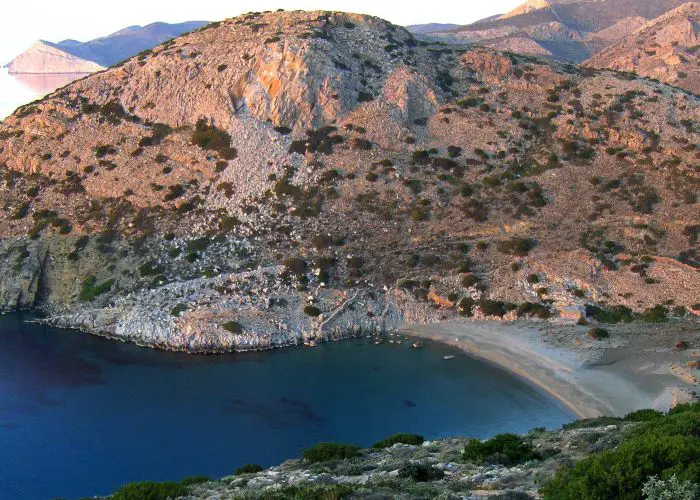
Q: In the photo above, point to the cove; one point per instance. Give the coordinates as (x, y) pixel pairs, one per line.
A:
(81, 415)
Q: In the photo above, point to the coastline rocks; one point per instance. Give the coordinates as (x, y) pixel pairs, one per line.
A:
(222, 314)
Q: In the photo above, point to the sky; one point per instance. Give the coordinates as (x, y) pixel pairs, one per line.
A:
(22, 22)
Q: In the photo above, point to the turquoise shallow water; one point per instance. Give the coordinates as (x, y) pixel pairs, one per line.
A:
(81, 415)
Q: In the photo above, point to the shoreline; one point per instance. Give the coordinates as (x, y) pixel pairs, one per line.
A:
(632, 370)
(636, 368)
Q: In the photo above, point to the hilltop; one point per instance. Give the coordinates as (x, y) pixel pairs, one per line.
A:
(666, 48)
(71, 56)
(285, 177)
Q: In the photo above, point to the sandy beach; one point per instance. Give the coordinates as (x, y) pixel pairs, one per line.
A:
(637, 367)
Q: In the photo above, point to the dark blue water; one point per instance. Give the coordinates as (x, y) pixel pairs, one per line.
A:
(81, 415)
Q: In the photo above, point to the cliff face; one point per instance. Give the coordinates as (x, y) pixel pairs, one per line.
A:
(282, 177)
(43, 57)
(666, 48)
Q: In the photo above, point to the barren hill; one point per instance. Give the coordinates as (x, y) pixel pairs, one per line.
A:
(665, 48)
(280, 177)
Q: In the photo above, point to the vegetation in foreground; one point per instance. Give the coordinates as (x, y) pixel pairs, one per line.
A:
(645, 455)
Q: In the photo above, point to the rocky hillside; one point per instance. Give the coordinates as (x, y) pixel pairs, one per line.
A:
(665, 49)
(71, 56)
(605, 457)
(286, 177)
(567, 30)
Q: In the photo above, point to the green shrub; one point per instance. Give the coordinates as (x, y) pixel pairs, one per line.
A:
(421, 473)
(533, 309)
(495, 307)
(178, 309)
(413, 439)
(598, 333)
(662, 447)
(470, 280)
(504, 449)
(248, 469)
(150, 269)
(194, 480)
(148, 490)
(312, 311)
(516, 246)
(610, 315)
(330, 451)
(644, 415)
(656, 314)
(92, 289)
(209, 137)
(233, 327)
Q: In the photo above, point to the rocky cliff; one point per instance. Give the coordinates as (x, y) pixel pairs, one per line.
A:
(285, 177)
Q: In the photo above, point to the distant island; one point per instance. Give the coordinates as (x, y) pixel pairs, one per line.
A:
(71, 56)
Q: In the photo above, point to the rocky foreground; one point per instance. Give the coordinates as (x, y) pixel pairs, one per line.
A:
(646, 454)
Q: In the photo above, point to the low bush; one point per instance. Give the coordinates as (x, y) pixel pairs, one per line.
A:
(189, 480)
(92, 289)
(413, 439)
(598, 333)
(516, 246)
(656, 314)
(148, 490)
(323, 452)
(209, 137)
(248, 469)
(533, 309)
(421, 473)
(504, 449)
(233, 327)
(312, 311)
(178, 309)
(610, 315)
(664, 447)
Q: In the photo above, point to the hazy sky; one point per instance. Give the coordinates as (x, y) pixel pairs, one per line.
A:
(24, 21)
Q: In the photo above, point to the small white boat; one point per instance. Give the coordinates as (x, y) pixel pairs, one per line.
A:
(417, 345)
(448, 357)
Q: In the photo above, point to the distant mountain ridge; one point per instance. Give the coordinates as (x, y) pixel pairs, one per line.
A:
(567, 30)
(71, 56)
(420, 29)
